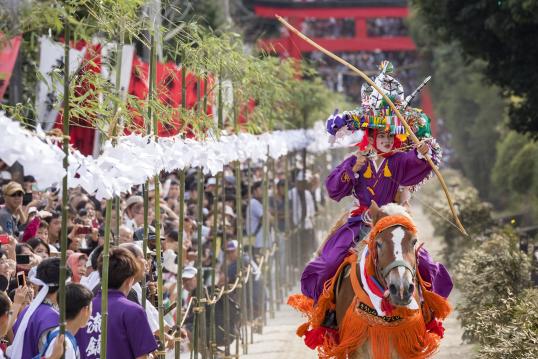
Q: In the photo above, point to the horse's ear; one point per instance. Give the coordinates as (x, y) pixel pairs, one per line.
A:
(375, 213)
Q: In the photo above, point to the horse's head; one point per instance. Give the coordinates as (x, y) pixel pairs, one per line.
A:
(392, 247)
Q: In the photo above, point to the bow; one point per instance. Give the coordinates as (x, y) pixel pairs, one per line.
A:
(391, 104)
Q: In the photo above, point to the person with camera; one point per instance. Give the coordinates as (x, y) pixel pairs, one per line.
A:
(38, 319)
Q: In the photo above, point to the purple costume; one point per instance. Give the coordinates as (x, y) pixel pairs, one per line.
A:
(400, 169)
(128, 333)
(43, 319)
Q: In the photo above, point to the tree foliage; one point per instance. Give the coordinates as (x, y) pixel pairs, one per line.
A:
(470, 109)
(288, 94)
(502, 34)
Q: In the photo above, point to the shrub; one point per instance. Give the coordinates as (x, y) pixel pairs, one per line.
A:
(489, 276)
(510, 328)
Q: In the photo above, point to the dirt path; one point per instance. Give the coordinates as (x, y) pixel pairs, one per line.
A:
(279, 340)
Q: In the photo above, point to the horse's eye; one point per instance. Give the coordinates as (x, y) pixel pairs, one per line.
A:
(379, 244)
(414, 242)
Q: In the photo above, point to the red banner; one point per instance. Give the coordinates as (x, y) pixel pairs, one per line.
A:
(8, 56)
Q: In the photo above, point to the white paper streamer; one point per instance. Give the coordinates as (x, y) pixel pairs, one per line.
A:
(136, 158)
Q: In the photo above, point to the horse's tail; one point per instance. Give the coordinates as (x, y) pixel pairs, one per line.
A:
(341, 221)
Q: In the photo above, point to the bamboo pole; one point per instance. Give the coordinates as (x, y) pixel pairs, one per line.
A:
(265, 228)
(145, 194)
(239, 234)
(104, 280)
(65, 125)
(287, 238)
(393, 107)
(239, 229)
(212, 324)
(212, 321)
(119, 55)
(106, 247)
(250, 255)
(225, 271)
(198, 347)
(269, 245)
(276, 228)
(156, 182)
(203, 318)
(179, 274)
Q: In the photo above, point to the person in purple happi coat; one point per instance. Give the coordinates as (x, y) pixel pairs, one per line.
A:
(129, 335)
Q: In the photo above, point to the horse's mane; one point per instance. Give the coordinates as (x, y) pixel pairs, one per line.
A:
(392, 209)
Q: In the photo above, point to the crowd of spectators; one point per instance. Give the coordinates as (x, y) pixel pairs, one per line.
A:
(386, 27)
(30, 235)
(340, 79)
(329, 28)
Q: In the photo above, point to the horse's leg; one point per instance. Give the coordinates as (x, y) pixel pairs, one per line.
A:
(343, 296)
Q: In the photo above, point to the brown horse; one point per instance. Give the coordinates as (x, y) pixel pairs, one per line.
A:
(395, 270)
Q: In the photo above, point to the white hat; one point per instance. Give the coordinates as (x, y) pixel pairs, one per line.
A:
(189, 272)
(211, 181)
(229, 211)
(232, 245)
(32, 210)
(134, 200)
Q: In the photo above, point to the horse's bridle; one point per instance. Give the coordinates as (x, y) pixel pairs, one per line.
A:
(386, 223)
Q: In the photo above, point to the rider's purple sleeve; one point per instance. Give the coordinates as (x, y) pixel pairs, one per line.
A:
(434, 273)
(412, 168)
(340, 182)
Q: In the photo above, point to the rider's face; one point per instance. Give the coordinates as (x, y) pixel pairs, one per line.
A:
(384, 142)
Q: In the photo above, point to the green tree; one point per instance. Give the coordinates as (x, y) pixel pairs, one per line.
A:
(470, 108)
(506, 149)
(500, 33)
(521, 169)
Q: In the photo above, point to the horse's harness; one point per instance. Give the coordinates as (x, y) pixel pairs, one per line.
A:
(382, 225)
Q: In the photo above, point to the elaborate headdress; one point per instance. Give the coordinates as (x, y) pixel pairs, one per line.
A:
(375, 115)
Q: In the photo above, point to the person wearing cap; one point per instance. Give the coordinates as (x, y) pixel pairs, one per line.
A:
(232, 253)
(189, 279)
(190, 283)
(12, 216)
(134, 212)
(210, 191)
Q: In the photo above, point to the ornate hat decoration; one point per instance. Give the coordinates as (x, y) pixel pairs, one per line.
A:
(375, 114)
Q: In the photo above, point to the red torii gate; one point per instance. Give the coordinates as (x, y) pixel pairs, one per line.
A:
(359, 11)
